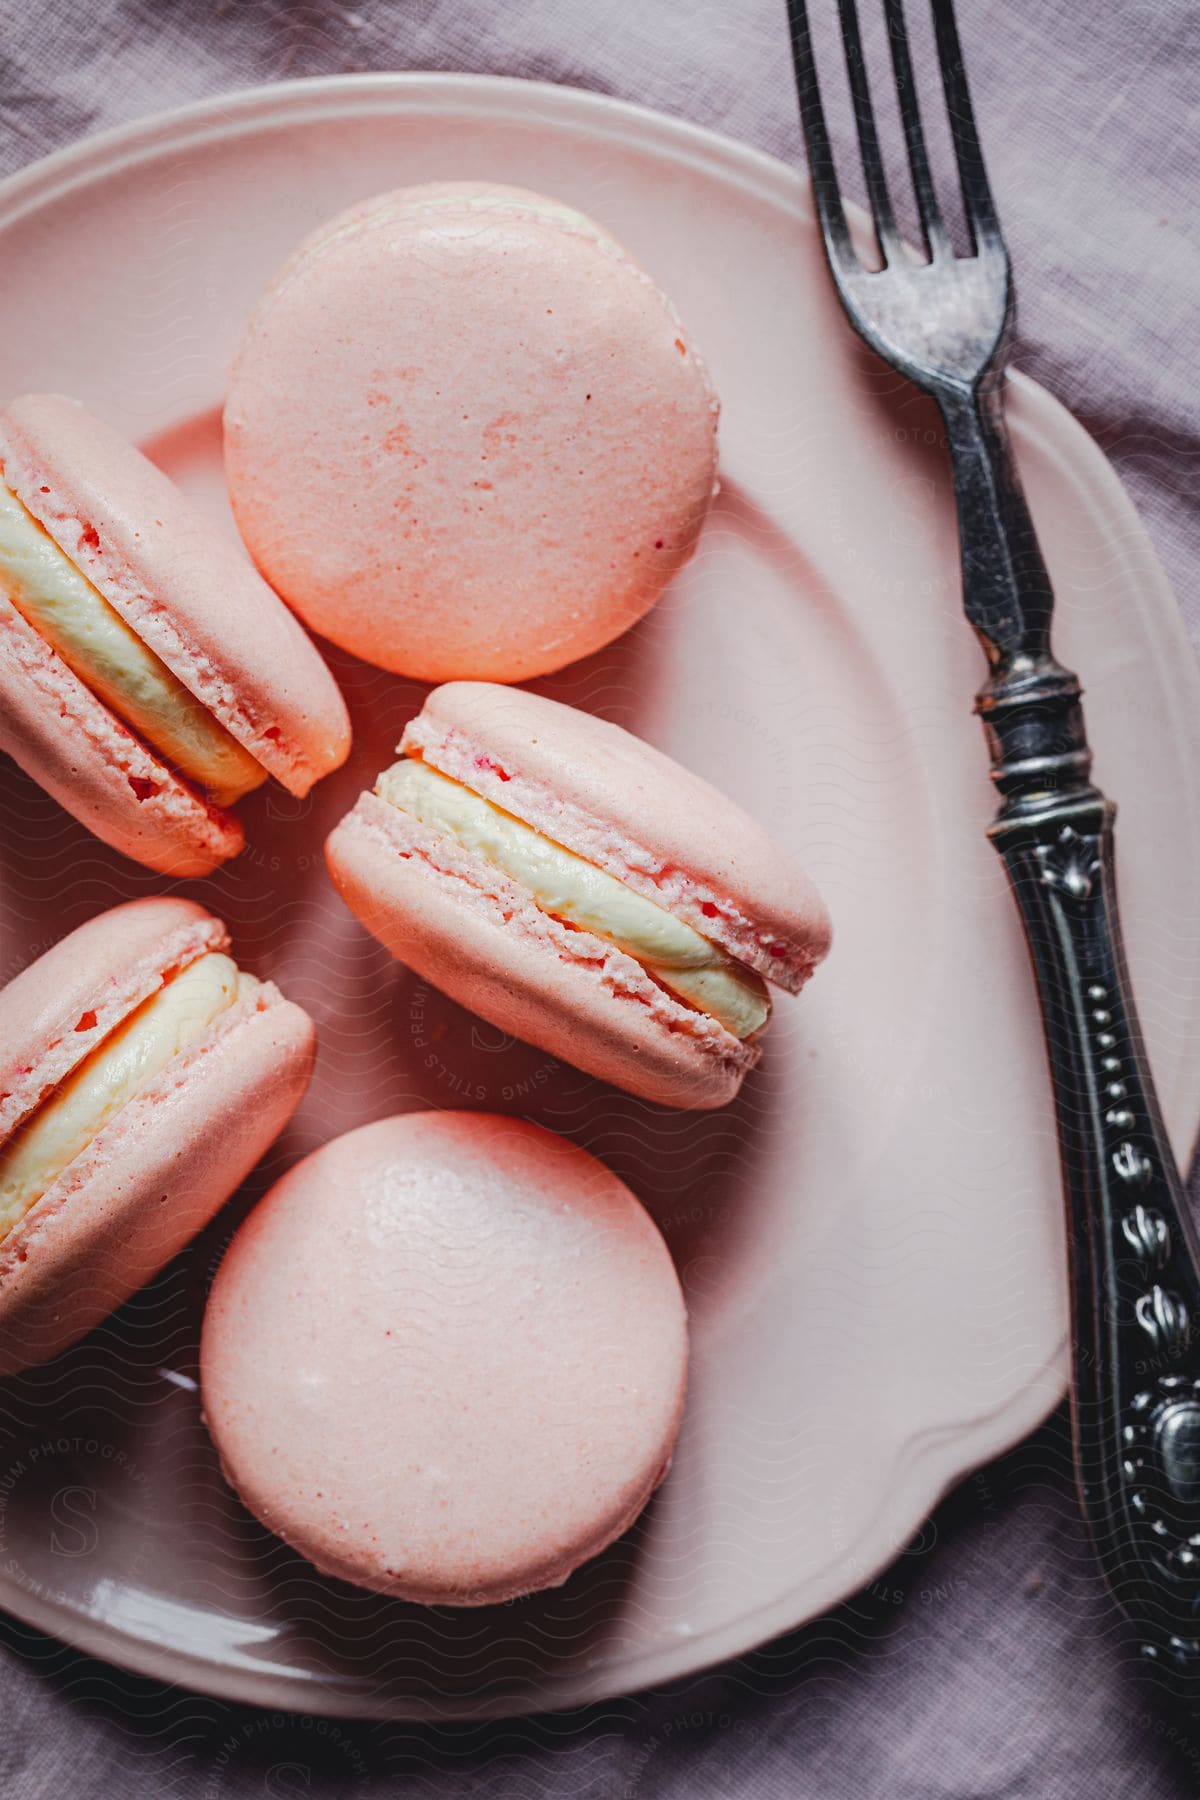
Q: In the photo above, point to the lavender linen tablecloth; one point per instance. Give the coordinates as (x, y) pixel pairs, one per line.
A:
(986, 1663)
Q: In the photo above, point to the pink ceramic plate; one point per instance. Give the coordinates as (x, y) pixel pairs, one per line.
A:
(870, 1237)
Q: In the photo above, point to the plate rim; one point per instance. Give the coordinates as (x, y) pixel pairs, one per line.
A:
(934, 1459)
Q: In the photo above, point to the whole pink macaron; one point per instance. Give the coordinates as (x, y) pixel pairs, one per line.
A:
(581, 890)
(466, 435)
(148, 675)
(142, 1075)
(445, 1358)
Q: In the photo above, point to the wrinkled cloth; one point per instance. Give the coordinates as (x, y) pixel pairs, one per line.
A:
(987, 1664)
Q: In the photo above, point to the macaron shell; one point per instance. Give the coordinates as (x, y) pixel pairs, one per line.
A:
(151, 1180)
(465, 439)
(624, 805)
(472, 932)
(58, 1009)
(445, 1358)
(71, 745)
(184, 588)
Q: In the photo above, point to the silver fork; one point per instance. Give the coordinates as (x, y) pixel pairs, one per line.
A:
(946, 324)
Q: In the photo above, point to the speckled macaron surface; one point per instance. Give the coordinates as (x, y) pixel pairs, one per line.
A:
(466, 435)
(445, 1357)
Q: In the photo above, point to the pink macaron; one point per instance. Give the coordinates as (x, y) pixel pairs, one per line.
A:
(581, 890)
(466, 435)
(445, 1358)
(142, 1075)
(148, 675)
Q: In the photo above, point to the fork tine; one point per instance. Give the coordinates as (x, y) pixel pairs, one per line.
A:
(821, 168)
(873, 167)
(937, 239)
(978, 204)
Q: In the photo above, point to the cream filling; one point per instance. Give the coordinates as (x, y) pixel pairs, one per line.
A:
(64, 608)
(120, 1067)
(570, 888)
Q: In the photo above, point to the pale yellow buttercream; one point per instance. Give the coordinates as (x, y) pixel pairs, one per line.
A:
(65, 609)
(570, 888)
(120, 1067)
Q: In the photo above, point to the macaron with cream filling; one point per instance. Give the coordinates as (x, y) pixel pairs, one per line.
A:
(149, 677)
(142, 1075)
(581, 890)
(445, 1358)
(467, 435)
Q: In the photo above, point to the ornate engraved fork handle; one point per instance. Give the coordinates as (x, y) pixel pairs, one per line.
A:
(1134, 1251)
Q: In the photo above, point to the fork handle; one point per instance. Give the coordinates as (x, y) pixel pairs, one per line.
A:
(1134, 1254)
